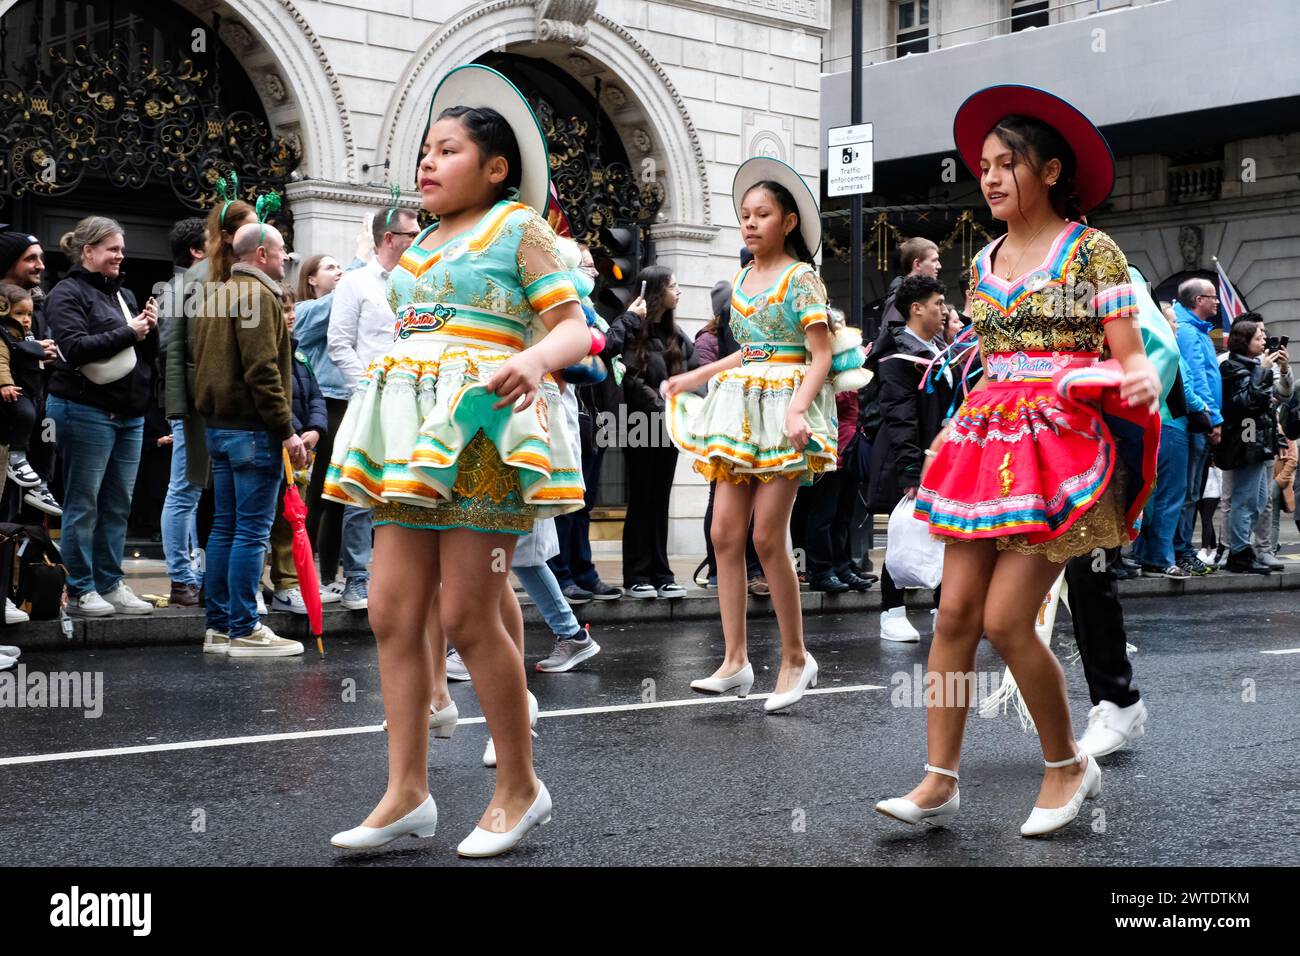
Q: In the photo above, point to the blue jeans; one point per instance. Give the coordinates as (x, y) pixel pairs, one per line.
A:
(540, 583)
(101, 454)
(1198, 455)
(357, 531)
(1162, 516)
(179, 533)
(1248, 490)
(246, 475)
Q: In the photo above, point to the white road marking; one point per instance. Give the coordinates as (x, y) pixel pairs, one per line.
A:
(1289, 650)
(378, 728)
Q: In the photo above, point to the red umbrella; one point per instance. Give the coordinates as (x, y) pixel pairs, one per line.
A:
(295, 512)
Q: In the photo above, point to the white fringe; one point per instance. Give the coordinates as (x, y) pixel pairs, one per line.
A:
(1008, 694)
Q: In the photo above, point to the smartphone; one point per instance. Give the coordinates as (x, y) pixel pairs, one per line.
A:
(1285, 341)
(643, 290)
(1272, 345)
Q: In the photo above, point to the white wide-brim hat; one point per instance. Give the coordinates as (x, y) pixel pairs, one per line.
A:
(762, 168)
(479, 86)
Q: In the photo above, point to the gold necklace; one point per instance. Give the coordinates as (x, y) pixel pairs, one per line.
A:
(1025, 248)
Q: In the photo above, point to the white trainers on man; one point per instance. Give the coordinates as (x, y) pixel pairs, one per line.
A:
(263, 642)
(14, 615)
(1111, 727)
(123, 599)
(894, 626)
(289, 600)
(90, 604)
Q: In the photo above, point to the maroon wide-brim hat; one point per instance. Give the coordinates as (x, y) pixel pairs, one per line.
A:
(1095, 175)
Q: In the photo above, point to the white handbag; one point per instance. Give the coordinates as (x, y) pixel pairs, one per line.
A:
(116, 367)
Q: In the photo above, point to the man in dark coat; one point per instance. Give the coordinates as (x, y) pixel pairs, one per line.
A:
(911, 417)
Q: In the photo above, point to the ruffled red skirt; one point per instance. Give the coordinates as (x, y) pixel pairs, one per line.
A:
(1031, 457)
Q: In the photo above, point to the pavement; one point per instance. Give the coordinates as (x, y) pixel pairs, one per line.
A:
(170, 625)
(197, 760)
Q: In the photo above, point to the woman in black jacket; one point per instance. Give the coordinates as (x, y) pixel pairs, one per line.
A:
(653, 349)
(1250, 436)
(103, 384)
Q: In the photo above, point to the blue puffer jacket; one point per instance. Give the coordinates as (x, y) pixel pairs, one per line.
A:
(1202, 376)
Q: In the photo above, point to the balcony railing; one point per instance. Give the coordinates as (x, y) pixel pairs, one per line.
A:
(1196, 182)
(838, 63)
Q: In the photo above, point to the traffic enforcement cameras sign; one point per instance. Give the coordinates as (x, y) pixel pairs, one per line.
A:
(849, 160)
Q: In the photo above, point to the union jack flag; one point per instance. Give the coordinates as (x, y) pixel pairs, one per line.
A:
(1230, 304)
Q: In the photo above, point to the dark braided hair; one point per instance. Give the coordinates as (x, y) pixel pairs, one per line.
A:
(1034, 143)
(489, 131)
(795, 246)
(658, 319)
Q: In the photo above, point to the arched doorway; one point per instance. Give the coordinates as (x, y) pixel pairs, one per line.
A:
(130, 110)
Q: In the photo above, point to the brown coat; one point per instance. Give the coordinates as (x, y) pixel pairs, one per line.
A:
(244, 358)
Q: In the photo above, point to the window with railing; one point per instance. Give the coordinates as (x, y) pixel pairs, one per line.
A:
(1029, 13)
(911, 27)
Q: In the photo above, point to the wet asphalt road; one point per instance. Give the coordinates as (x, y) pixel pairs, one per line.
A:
(1215, 780)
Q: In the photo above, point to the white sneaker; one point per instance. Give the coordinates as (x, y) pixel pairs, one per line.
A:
(290, 600)
(14, 615)
(215, 642)
(1111, 728)
(456, 669)
(91, 604)
(261, 603)
(1206, 557)
(8, 650)
(328, 594)
(894, 626)
(263, 642)
(7, 662)
(123, 599)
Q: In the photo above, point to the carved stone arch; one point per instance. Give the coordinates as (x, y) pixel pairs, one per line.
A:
(300, 92)
(653, 105)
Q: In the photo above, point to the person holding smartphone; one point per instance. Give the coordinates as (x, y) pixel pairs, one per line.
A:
(99, 394)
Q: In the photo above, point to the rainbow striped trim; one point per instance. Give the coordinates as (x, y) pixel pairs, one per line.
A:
(774, 293)
(1007, 296)
(787, 353)
(1113, 303)
(1023, 514)
(549, 291)
(417, 260)
(460, 323)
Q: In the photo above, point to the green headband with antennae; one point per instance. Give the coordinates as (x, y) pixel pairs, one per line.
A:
(267, 203)
(395, 191)
(229, 191)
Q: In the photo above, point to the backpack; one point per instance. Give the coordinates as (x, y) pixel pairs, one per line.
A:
(32, 569)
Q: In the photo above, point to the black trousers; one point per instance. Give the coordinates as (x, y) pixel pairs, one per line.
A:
(753, 567)
(891, 595)
(645, 531)
(573, 565)
(829, 514)
(325, 518)
(17, 420)
(1099, 630)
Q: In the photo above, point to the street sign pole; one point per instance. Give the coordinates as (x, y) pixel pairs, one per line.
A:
(855, 204)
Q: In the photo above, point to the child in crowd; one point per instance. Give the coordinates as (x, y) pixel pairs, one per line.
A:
(22, 386)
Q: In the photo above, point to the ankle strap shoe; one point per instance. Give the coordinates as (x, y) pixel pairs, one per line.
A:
(1045, 820)
(905, 811)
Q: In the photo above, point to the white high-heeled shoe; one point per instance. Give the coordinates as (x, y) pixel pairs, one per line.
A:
(490, 751)
(420, 822)
(905, 811)
(1045, 820)
(740, 682)
(442, 723)
(808, 678)
(483, 843)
